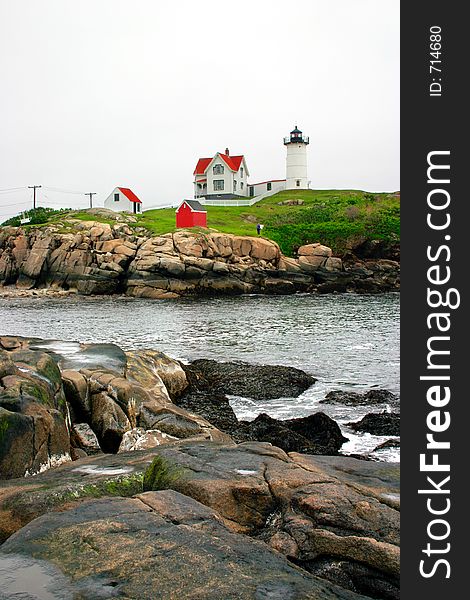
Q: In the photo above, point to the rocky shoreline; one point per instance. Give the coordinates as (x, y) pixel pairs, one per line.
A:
(137, 455)
(94, 258)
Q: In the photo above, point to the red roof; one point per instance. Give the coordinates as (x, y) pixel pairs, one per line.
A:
(202, 165)
(232, 162)
(129, 194)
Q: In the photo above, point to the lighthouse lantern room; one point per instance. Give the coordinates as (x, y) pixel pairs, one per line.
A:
(296, 161)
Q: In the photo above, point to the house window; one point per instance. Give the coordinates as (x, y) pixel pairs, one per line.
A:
(269, 185)
(218, 185)
(138, 208)
(241, 185)
(241, 171)
(297, 183)
(218, 170)
(116, 197)
(234, 185)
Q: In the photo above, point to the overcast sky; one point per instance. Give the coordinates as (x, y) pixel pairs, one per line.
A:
(104, 93)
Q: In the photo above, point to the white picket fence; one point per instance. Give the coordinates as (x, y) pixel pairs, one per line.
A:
(224, 201)
(234, 201)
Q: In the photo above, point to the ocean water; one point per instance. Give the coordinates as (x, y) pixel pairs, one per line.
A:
(346, 341)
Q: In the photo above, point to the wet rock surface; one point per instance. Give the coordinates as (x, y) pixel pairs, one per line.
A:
(209, 381)
(318, 511)
(260, 382)
(164, 533)
(378, 424)
(315, 434)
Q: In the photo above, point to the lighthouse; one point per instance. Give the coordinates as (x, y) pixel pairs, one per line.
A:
(296, 161)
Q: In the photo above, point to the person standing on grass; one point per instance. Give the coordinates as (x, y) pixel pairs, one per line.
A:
(258, 228)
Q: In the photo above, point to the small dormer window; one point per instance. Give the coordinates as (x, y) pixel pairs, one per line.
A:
(116, 197)
(241, 171)
(218, 170)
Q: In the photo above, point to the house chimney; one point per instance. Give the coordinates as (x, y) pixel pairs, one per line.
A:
(227, 152)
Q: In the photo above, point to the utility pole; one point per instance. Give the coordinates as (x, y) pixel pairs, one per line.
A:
(34, 188)
(91, 194)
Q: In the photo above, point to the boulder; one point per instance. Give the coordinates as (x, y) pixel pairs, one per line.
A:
(260, 382)
(212, 406)
(155, 371)
(34, 416)
(264, 249)
(311, 263)
(378, 424)
(315, 250)
(315, 434)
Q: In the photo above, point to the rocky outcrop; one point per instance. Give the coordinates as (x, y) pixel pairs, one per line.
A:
(34, 420)
(209, 381)
(334, 517)
(89, 257)
(315, 434)
(63, 400)
(260, 382)
(378, 424)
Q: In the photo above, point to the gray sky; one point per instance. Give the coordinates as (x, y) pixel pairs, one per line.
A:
(100, 93)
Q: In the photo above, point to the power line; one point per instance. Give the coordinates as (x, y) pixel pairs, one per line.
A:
(9, 204)
(52, 189)
(17, 189)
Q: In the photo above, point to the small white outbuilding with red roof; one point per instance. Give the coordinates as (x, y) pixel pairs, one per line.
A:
(222, 176)
(123, 199)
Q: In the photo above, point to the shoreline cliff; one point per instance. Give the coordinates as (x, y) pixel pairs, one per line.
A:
(93, 258)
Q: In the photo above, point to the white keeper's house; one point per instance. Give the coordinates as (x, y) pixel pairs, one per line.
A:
(222, 176)
(225, 177)
(123, 199)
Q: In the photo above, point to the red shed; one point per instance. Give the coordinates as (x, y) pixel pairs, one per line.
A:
(191, 213)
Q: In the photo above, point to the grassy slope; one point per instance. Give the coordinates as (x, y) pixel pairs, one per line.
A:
(336, 218)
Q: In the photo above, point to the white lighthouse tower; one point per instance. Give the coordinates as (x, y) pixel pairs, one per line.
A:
(296, 160)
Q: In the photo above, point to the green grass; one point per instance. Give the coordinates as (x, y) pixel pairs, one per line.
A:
(337, 218)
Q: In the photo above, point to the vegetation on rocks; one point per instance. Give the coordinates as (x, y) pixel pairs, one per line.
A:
(125, 486)
(160, 475)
